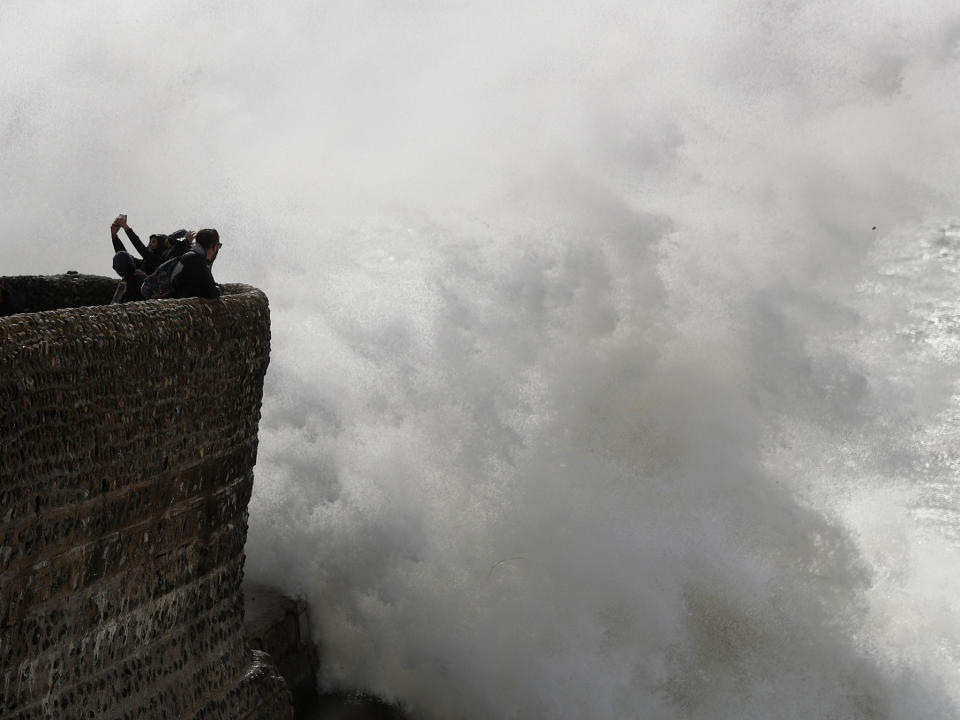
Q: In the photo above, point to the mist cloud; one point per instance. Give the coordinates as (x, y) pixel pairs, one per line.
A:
(574, 408)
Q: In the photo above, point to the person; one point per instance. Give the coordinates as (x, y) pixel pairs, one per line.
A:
(152, 253)
(178, 243)
(132, 278)
(193, 277)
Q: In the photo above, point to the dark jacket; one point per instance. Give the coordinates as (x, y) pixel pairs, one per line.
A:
(176, 249)
(132, 283)
(151, 260)
(192, 277)
(126, 266)
(177, 244)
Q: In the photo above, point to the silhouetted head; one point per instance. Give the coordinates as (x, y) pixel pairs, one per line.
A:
(209, 240)
(158, 242)
(124, 264)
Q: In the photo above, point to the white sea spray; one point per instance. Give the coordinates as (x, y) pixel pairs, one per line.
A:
(614, 351)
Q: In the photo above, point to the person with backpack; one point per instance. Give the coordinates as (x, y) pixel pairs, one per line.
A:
(152, 253)
(192, 276)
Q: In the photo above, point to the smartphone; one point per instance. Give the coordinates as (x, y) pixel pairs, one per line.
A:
(123, 217)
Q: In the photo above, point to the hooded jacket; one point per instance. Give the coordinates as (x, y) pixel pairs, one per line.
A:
(126, 267)
(192, 277)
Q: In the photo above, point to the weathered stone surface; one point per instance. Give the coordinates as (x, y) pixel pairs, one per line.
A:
(128, 436)
(280, 625)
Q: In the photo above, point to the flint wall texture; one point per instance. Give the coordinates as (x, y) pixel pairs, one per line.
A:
(128, 436)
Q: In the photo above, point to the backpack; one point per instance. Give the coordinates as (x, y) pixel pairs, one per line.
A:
(159, 284)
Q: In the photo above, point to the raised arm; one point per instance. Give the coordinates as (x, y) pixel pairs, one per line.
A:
(134, 238)
(114, 236)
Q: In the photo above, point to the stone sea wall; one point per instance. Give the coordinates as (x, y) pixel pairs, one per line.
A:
(281, 626)
(128, 437)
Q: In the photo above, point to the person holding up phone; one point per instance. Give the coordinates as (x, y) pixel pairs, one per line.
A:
(152, 253)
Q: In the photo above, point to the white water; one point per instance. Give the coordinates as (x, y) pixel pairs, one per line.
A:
(594, 393)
